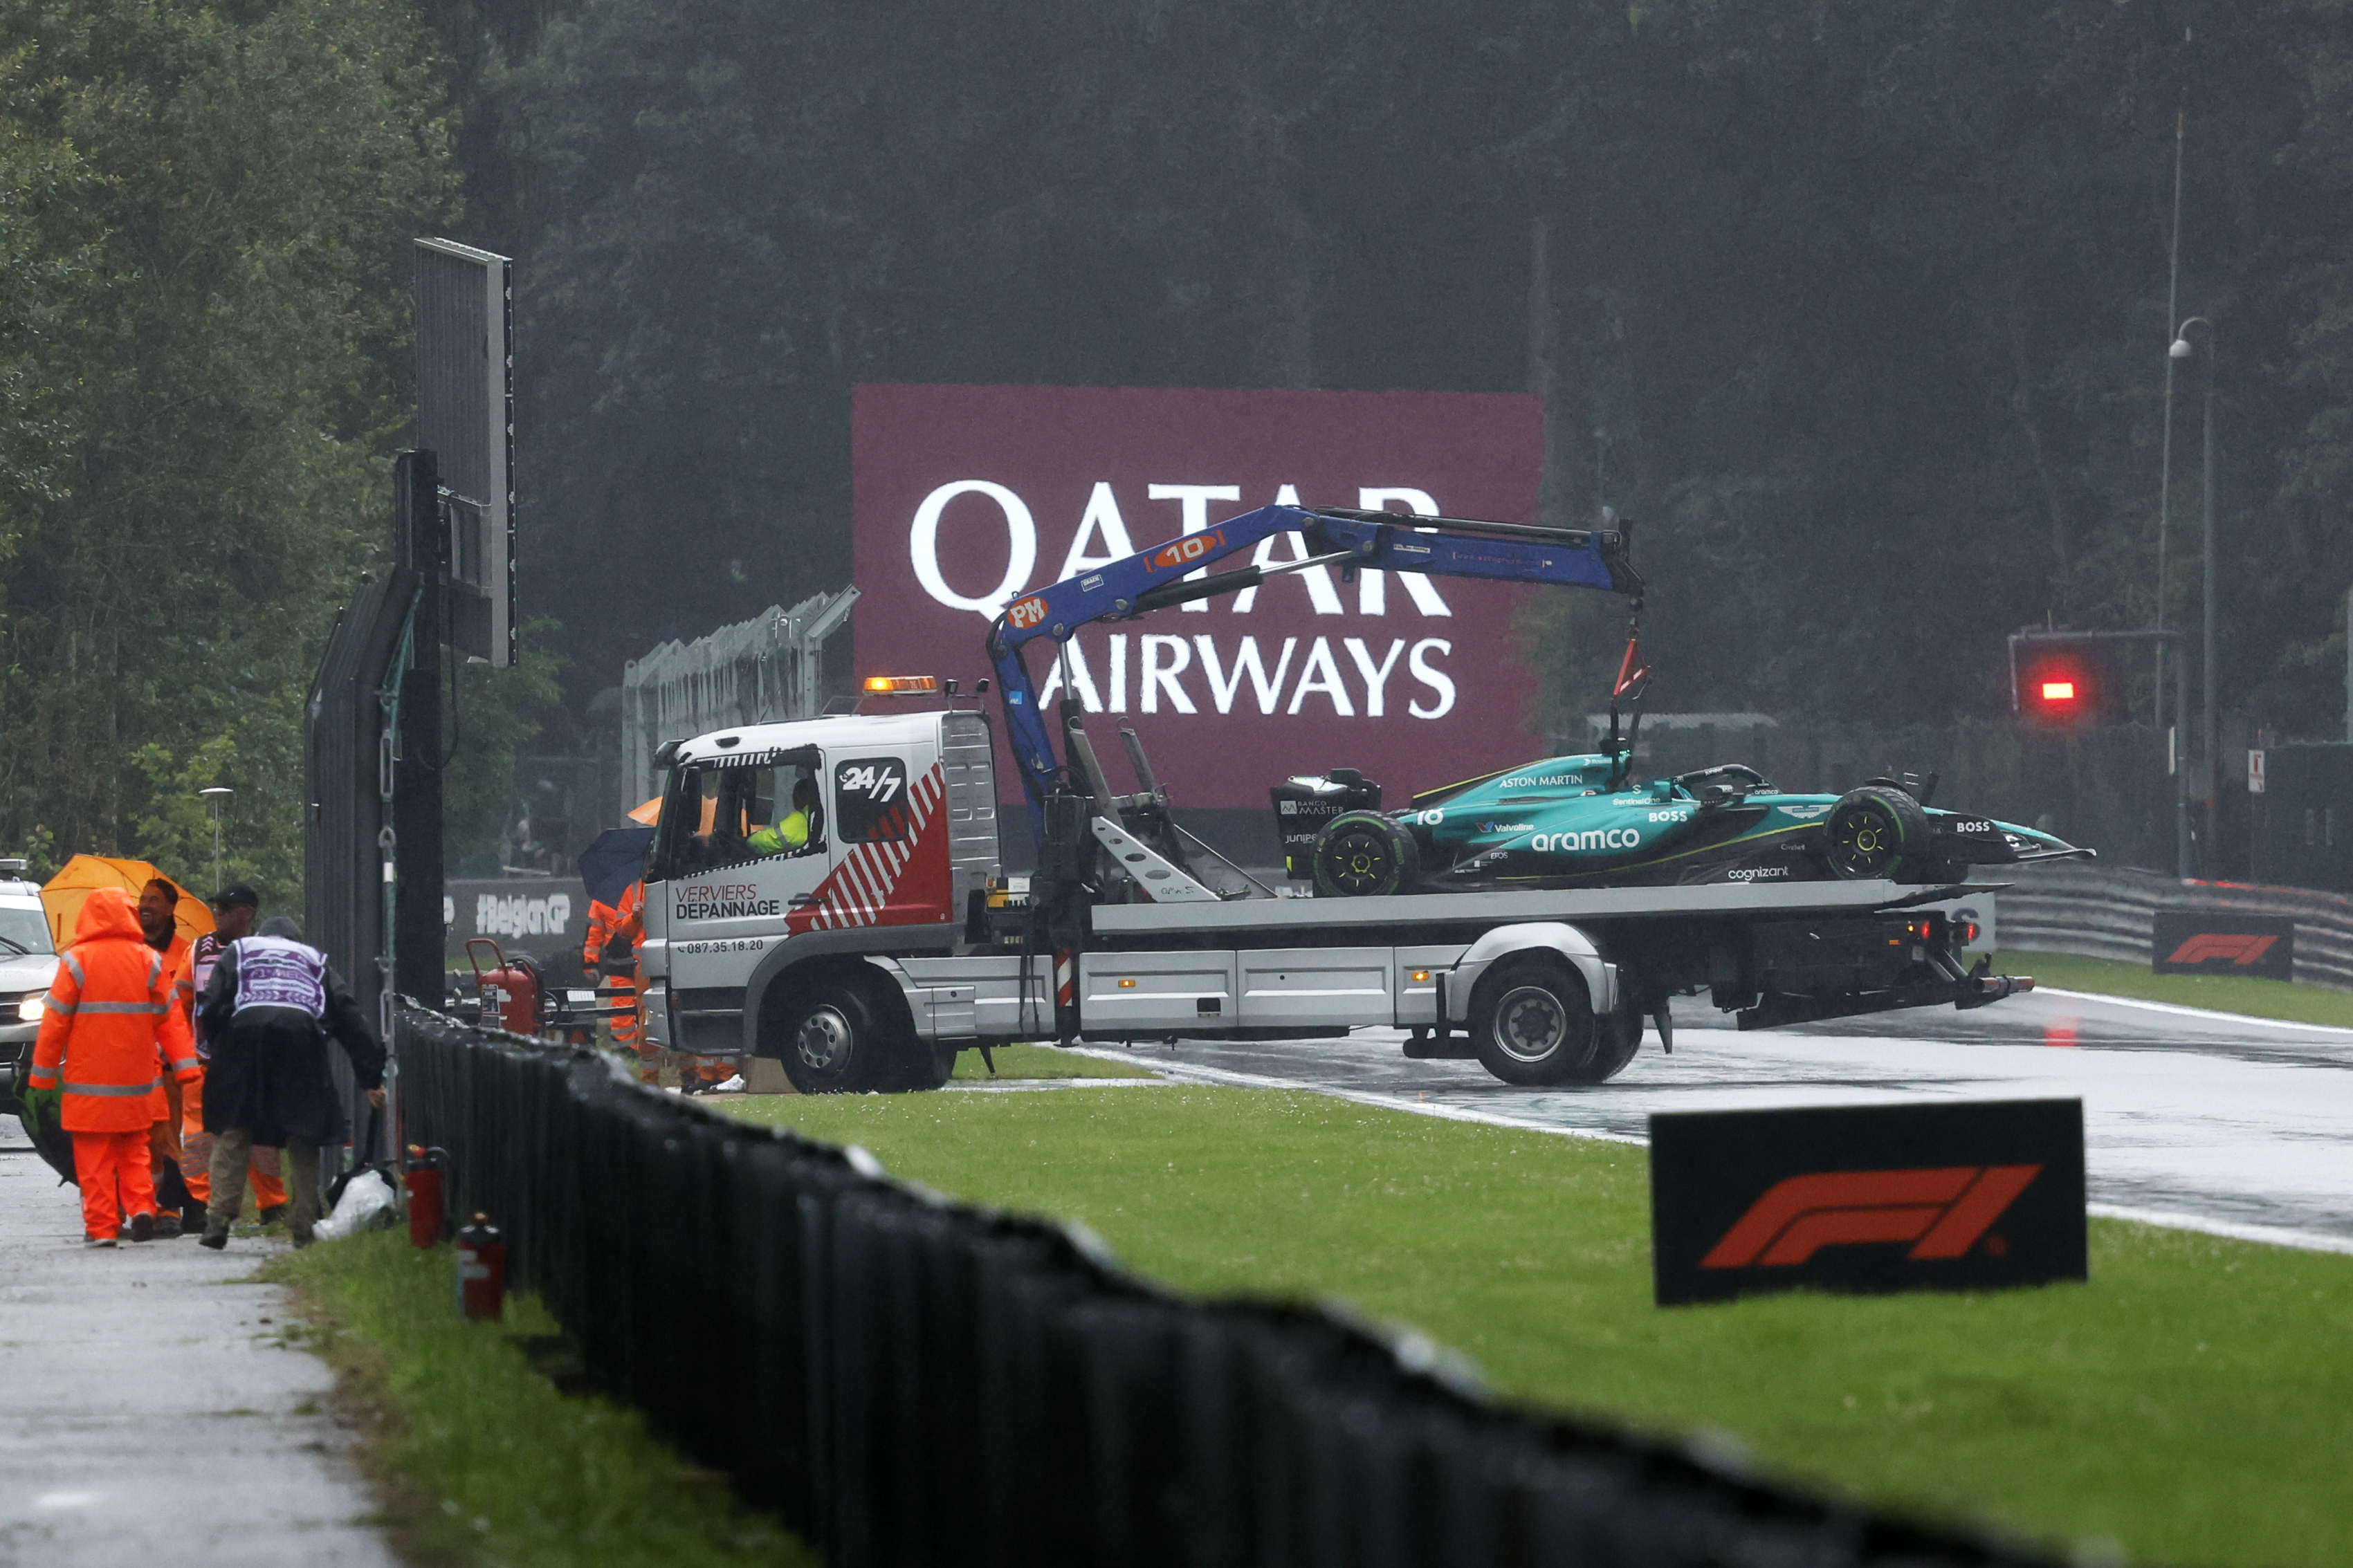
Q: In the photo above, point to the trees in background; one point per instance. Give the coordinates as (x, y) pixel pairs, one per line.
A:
(206, 216)
(1857, 306)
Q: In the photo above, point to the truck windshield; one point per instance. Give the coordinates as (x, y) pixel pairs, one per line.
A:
(719, 815)
(23, 931)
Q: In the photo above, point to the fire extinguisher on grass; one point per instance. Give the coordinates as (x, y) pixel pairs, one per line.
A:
(426, 1175)
(481, 1272)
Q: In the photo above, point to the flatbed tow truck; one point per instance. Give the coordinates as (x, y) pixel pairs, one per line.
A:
(887, 937)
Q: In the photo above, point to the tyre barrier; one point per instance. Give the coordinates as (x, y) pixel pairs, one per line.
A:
(910, 1381)
(2095, 912)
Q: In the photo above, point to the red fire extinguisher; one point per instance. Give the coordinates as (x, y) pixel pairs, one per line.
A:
(426, 1170)
(482, 1270)
(508, 990)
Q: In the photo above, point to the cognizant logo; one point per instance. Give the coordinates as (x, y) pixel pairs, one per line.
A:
(1596, 839)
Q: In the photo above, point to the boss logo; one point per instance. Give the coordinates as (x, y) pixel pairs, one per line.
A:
(1976, 825)
(1026, 613)
(1184, 551)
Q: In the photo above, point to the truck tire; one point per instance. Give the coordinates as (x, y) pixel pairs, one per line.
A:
(923, 1064)
(836, 1040)
(1362, 854)
(1531, 1023)
(1877, 831)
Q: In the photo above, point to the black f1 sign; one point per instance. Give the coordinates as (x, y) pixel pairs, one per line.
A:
(1873, 1197)
(2219, 941)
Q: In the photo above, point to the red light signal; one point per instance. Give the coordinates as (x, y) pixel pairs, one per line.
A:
(2064, 681)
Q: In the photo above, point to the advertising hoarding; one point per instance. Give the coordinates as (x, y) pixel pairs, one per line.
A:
(968, 496)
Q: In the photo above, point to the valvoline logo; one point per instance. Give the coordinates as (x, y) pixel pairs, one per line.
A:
(1026, 614)
(1184, 551)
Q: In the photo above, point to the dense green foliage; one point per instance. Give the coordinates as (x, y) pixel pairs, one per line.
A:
(2188, 1405)
(1859, 307)
(206, 344)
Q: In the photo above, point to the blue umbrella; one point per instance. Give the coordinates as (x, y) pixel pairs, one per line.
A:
(615, 860)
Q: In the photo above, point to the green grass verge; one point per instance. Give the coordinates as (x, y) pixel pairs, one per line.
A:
(1040, 1062)
(2192, 1404)
(2219, 993)
(477, 1457)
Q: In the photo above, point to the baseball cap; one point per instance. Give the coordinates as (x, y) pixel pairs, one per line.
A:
(233, 895)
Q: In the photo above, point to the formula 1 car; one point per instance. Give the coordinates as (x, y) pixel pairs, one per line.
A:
(1578, 821)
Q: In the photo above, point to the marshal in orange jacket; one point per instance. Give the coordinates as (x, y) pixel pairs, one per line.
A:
(109, 1023)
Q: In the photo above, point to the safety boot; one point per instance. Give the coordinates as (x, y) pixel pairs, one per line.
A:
(143, 1227)
(90, 1239)
(216, 1239)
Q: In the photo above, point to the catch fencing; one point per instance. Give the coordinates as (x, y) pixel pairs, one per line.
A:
(767, 668)
(908, 1381)
(2098, 912)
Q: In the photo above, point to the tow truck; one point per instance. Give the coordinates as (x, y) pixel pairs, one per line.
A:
(887, 937)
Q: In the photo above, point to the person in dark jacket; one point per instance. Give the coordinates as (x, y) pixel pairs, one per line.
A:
(268, 1010)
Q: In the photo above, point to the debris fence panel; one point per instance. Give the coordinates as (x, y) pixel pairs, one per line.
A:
(910, 1381)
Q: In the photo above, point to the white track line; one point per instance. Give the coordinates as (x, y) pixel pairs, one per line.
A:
(2187, 1012)
(2271, 1236)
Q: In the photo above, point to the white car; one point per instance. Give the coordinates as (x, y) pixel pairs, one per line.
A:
(28, 965)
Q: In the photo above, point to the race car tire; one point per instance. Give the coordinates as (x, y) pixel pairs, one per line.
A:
(1362, 854)
(838, 1041)
(1532, 1024)
(1877, 831)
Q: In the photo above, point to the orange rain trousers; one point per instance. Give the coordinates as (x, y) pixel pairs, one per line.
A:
(116, 1182)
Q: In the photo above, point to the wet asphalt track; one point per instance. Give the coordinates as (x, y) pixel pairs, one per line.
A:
(2240, 1126)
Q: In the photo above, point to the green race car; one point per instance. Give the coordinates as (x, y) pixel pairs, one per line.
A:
(1571, 821)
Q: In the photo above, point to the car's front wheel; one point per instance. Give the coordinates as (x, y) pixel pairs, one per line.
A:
(1876, 831)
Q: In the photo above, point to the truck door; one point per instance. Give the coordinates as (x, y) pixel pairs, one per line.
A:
(892, 836)
(743, 846)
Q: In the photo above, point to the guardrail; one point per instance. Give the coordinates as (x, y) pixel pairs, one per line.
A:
(912, 1380)
(2099, 912)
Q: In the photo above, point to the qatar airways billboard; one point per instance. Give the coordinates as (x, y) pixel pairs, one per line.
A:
(967, 498)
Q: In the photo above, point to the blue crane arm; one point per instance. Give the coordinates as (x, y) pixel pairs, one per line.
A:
(1155, 579)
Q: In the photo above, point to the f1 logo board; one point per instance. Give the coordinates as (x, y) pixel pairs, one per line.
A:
(1873, 1197)
(2221, 941)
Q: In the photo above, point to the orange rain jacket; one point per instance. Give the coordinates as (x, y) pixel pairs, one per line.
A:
(109, 1023)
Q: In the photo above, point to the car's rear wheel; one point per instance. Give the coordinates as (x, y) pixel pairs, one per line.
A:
(1531, 1023)
(1876, 831)
(1362, 854)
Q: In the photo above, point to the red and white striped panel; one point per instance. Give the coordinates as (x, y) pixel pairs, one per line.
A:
(894, 879)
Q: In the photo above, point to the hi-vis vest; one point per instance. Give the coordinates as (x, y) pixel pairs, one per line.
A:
(272, 972)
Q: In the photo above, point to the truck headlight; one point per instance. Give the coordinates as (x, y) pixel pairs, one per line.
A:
(30, 1010)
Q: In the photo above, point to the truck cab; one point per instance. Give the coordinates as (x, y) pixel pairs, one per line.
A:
(898, 829)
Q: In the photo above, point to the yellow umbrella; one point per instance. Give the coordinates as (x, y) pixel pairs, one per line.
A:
(63, 895)
(650, 813)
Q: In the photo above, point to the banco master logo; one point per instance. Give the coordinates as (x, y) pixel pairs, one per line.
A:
(1942, 1212)
(2212, 945)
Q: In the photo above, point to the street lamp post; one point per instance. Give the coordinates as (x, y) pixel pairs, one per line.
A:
(216, 798)
(2207, 730)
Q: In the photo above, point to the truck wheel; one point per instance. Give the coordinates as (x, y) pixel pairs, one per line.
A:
(1531, 1023)
(1876, 831)
(834, 1041)
(923, 1064)
(1621, 1038)
(1362, 854)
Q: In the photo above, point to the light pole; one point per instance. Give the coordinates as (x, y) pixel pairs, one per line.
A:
(2207, 738)
(2164, 518)
(216, 798)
